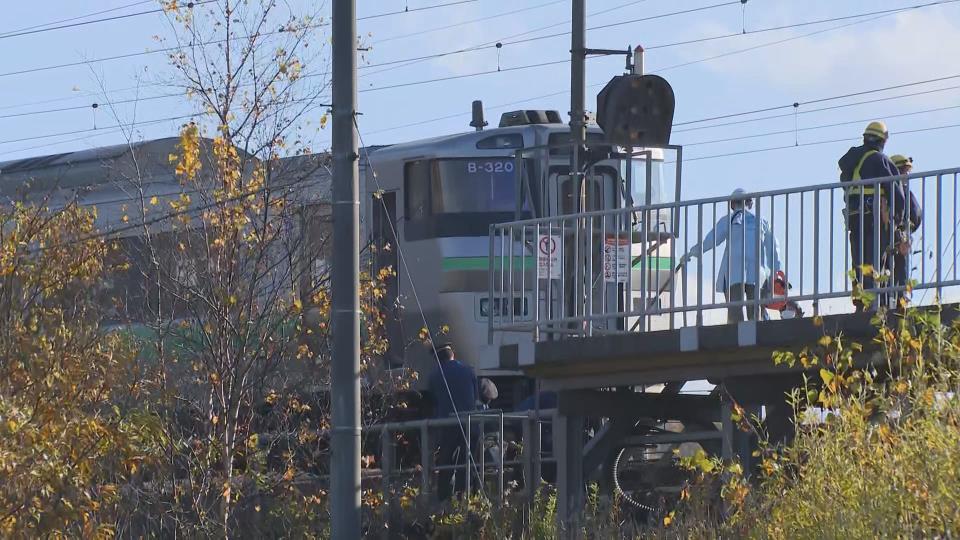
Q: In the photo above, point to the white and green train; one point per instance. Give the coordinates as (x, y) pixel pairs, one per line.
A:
(444, 193)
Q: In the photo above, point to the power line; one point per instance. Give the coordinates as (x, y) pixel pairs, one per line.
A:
(92, 106)
(819, 109)
(93, 130)
(410, 61)
(802, 36)
(78, 17)
(398, 64)
(818, 100)
(100, 132)
(310, 100)
(504, 42)
(728, 115)
(467, 22)
(189, 5)
(794, 25)
(883, 14)
(813, 143)
(123, 56)
(408, 10)
(465, 75)
(458, 115)
(542, 64)
(811, 128)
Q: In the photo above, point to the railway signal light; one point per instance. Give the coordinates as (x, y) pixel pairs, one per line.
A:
(636, 110)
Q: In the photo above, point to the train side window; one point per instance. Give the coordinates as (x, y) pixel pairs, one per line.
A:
(416, 188)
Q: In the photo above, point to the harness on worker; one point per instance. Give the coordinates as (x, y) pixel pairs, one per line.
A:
(857, 190)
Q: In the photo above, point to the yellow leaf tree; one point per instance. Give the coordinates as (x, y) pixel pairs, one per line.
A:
(71, 434)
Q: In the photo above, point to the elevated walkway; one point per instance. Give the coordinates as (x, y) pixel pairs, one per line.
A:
(709, 353)
(620, 324)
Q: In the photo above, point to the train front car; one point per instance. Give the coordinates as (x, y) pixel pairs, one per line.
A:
(442, 195)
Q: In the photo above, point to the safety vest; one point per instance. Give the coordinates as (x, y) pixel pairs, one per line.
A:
(856, 190)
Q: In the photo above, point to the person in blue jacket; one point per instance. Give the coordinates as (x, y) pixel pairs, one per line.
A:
(861, 163)
(453, 386)
(737, 276)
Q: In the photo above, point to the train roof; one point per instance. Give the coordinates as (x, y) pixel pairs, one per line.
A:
(460, 144)
(106, 167)
(87, 168)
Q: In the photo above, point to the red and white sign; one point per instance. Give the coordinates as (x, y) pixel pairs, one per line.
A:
(548, 257)
(616, 259)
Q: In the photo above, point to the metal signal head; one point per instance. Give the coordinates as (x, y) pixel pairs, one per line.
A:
(636, 110)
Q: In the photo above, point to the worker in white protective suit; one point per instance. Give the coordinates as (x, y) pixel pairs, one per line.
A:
(737, 275)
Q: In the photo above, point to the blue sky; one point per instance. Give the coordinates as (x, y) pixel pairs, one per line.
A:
(895, 49)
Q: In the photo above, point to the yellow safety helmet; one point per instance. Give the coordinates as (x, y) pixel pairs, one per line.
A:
(876, 129)
(900, 160)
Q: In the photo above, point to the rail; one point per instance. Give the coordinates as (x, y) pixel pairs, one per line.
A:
(666, 266)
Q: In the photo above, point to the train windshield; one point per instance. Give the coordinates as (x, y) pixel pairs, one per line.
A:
(475, 185)
(660, 192)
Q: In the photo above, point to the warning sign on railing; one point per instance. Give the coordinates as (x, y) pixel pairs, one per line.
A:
(616, 259)
(548, 257)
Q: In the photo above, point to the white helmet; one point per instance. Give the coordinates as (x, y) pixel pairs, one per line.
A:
(740, 197)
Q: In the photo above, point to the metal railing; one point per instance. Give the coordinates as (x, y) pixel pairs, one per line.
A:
(622, 270)
(476, 468)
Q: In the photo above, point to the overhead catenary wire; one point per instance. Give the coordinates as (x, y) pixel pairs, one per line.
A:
(505, 41)
(77, 17)
(305, 181)
(531, 66)
(467, 22)
(685, 123)
(398, 64)
(819, 109)
(99, 133)
(801, 36)
(414, 10)
(812, 128)
(819, 100)
(726, 115)
(197, 3)
(173, 49)
(315, 101)
(123, 56)
(714, 57)
(93, 130)
(796, 25)
(680, 124)
(811, 143)
(75, 24)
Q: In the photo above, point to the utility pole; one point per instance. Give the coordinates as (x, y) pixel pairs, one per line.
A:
(345, 371)
(569, 433)
(578, 136)
(578, 91)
